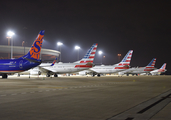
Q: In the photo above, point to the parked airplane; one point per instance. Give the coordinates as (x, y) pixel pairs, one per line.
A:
(30, 60)
(139, 70)
(159, 71)
(37, 70)
(107, 69)
(61, 68)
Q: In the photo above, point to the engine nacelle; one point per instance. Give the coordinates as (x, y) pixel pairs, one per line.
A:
(35, 73)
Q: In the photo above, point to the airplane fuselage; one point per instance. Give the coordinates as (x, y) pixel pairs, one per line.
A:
(16, 65)
(67, 67)
(108, 69)
(157, 71)
(137, 70)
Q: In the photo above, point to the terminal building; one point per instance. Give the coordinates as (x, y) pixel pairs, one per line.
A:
(18, 51)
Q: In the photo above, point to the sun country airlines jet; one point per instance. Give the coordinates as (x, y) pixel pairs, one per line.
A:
(30, 60)
(159, 71)
(107, 69)
(85, 63)
(139, 70)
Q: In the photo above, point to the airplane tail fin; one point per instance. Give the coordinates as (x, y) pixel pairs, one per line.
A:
(151, 65)
(127, 59)
(163, 68)
(34, 52)
(89, 56)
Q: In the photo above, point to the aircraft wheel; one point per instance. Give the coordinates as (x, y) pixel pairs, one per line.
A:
(47, 75)
(127, 74)
(98, 75)
(39, 73)
(4, 75)
(55, 75)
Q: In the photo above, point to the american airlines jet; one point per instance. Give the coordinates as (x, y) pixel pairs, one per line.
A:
(37, 70)
(123, 65)
(159, 71)
(26, 62)
(136, 71)
(85, 63)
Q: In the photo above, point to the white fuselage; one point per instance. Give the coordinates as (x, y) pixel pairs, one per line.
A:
(67, 67)
(157, 71)
(36, 70)
(136, 70)
(107, 69)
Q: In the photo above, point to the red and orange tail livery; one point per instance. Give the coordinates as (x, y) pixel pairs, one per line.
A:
(35, 49)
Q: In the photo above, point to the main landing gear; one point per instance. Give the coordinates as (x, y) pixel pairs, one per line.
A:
(55, 75)
(48, 75)
(98, 75)
(4, 76)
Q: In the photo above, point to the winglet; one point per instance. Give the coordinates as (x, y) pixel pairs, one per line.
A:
(34, 52)
(53, 62)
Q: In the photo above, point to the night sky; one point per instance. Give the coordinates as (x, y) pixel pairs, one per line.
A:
(116, 25)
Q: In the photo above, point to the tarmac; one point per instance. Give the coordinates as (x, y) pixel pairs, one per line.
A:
(85, 98)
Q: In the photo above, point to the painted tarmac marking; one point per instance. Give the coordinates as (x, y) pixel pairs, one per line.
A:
(152, 105)
(96, 85)
(3, 95)
(146, 109)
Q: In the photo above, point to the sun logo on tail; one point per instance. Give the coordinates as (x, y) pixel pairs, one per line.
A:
(36, 47)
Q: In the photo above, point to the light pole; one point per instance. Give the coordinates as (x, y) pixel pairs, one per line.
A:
(119, 55)
(10, 34)
(100, 52)
(60, 44)
(23, 46)
(104, 58)
(8, 45)
(77, 48)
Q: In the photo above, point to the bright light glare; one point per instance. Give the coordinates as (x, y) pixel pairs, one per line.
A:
(59, 43)
(100, 52)
(77, 47)
(10, 33)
